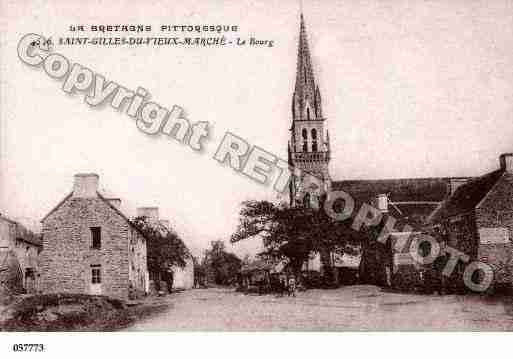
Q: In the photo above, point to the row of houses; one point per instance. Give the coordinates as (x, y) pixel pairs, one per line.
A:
(88, 245)
(473, 215)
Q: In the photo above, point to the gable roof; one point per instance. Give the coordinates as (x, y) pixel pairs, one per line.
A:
(411, 200)
(22, 233)
(399, 190)
(29, 237)
(106, 201)
(57, 206)
(263, 265)
(8, 220)
(467, 196)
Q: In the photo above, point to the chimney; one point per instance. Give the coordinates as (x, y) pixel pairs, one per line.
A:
(116, 202)
(382, 202)
(454, 183)
(85, 185)
(506, 161)
(152, 213)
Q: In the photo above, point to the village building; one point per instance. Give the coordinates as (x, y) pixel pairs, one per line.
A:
(409, 200)
(19, 252)
(90, 246)
(477, 219)
(262, 275)
(182, 277)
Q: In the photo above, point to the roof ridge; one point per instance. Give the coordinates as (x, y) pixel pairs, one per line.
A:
(125, 217)
(403, 179)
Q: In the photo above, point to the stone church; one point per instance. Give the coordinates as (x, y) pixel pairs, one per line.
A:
(309, 145)
(409, 200)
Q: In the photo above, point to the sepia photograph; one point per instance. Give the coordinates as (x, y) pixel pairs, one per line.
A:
(255, 167)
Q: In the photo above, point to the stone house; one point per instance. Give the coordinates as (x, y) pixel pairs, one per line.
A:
(90, 246)
(410, 201)
(478, 221)
(19, 252)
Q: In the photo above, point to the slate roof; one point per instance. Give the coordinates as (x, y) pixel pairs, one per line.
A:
(467, 196)
(106, 201)
(399, 190)
(412, 200)
(24, 234)
(31, 238)
(262, 265)
(347, 261)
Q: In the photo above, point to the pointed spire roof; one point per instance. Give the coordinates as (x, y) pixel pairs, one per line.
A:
(306, 101)
(305, 82)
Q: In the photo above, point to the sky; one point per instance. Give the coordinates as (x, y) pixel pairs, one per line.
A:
(409, 89)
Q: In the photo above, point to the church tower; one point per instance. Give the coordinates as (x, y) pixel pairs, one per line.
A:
(309, 148)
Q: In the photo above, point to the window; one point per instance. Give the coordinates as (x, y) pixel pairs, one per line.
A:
(96, 237)
(306, 200)
(96, 274)
(314, 140)
(308, 113)
(304, 134)
(29, 273)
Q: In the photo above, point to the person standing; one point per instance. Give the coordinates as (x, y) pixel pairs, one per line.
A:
(292, 286)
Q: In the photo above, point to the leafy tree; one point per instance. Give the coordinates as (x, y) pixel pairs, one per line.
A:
(165, 249)
(293, 233)
(221, 266)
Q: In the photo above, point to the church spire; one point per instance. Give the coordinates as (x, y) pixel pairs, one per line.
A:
(306, 101)
(308, 149)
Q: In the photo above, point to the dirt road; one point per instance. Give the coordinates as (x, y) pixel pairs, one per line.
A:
(349, 308)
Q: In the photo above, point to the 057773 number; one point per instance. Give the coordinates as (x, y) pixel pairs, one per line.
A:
(28, 347)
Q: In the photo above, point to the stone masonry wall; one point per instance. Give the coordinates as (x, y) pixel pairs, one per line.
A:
(138, 269)
(463, 236)
(67, 255)
(496, 211)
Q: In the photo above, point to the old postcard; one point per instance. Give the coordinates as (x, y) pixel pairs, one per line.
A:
(256, 166)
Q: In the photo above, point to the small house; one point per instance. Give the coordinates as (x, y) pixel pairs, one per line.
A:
(90, 246)
(477, 219)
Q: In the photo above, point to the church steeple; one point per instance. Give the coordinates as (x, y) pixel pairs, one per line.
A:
(308, 149)
(306, 99)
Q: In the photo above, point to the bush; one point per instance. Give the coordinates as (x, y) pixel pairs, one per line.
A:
(54, 312)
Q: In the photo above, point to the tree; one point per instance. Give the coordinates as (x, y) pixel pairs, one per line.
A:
(293, 233)
(200, 273)
(165, 249)
(221, 266)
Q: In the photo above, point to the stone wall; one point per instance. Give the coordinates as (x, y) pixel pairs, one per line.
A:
(494, 213)
(67, 255)
(14, 238)
(27, 255)
(138, 270)
(183, 278)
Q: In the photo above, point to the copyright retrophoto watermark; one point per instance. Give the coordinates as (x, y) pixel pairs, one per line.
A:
(243, 166)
